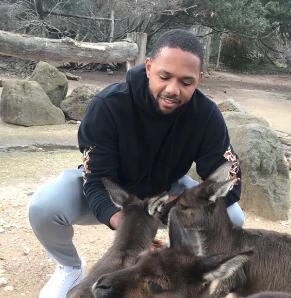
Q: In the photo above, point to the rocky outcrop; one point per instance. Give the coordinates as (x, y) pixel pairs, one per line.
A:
(25, 103)
(74, 105)
(53, 82)
(265, 173)
(230, 106)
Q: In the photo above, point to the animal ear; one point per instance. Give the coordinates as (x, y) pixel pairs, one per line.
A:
(221, 174)
(220, 189)
(117, 195)
(222, 266)
(156, 205)
(160, 207)
(183, 237)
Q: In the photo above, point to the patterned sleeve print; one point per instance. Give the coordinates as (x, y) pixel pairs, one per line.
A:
(86, 161)
(230, 156)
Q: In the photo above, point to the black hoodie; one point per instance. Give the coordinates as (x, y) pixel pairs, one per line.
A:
(124, 136)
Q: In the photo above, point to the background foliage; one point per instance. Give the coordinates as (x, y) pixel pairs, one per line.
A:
(252, 31)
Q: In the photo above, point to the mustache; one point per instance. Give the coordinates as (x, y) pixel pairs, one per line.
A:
(170, 97)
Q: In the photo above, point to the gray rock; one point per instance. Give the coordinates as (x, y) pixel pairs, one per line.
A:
(74, 105)
(265, 175)
(25, 103)
(53, 82)
(230, 105)
(239, 118)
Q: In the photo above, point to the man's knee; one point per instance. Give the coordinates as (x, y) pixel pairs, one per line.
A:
(236, 214)
(59, 201)
(40, 212)
(185, 182)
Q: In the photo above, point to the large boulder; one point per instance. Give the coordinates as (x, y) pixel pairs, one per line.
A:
(25, 103)
(265, 174)
(230, 105)
(53, 82)
(74, 106)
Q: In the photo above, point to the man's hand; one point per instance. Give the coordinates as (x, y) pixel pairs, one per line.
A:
(156, 244)
(115, 220)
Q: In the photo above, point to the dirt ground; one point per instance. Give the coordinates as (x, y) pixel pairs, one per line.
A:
(26, 163)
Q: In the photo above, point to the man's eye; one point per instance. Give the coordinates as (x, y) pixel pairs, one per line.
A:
(187, 83)
(164, 78)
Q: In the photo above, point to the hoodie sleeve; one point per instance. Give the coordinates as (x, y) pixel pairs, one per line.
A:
(215, 150)
(97, 139)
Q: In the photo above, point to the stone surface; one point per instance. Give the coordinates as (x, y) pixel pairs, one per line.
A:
(74, 105)
(53, 82)
(239, 118)
(231, 106)
(25, 103)
(265, 175)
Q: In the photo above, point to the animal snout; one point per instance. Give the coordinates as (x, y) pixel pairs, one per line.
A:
(102, 288)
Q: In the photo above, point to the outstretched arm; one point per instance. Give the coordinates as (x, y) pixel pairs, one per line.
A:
(98, 142)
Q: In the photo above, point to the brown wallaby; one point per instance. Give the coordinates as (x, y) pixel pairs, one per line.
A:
(173, 272)
(135, 234)
(270, 295)
(263, 295)
(200, 220)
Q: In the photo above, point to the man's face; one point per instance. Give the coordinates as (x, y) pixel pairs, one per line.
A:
(173, 77)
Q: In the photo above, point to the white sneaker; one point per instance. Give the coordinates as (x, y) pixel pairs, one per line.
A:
(63, 279)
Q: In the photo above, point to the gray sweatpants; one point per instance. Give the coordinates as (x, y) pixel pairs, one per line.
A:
(60, 204)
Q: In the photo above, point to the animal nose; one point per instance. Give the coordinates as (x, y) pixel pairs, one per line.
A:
(102, 288)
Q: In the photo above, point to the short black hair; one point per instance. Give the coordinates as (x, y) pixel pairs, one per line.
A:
(179, 39)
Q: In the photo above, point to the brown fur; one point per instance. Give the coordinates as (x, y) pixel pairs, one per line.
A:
(270, 267)
(270, 295)
(170, 272)
(135, 234)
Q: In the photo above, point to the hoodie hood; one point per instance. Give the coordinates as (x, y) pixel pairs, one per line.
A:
(138, 84)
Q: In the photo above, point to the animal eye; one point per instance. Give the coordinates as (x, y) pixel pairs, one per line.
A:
(184, 207)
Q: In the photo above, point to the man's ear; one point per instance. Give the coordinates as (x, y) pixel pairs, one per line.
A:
(117, 194)
(148, 64)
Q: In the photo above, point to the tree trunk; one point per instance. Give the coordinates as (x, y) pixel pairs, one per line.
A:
(111, 38)
(219, 51)
(141, 41)
(65, 50)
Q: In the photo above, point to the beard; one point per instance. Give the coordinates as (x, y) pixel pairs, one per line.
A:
(156, 101)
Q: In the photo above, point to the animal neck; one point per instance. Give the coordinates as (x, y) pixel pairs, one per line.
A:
(219, 233)
(135, 233)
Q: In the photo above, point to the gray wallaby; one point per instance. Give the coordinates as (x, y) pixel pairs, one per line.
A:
(200, 220)
(172, 272)
(135, 234)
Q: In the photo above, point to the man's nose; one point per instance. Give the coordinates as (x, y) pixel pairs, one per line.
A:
(172, 88)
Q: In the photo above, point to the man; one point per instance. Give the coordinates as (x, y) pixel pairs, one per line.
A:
(145, 133)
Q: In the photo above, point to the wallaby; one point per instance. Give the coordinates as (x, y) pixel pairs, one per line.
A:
(135, 234)
(200, 220)
(173, 272)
